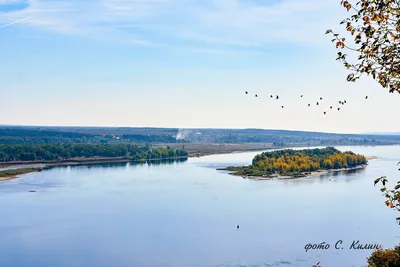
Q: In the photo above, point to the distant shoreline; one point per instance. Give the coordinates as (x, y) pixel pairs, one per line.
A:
(208, 149)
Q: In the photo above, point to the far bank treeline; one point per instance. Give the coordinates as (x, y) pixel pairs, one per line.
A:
(54, 152)
(292, 162)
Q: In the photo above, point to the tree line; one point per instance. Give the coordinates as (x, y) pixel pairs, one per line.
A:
(307, 160)
(49, 135)
(54, 152)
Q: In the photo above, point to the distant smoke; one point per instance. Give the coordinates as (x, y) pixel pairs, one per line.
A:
(184, 134)
(180, 136)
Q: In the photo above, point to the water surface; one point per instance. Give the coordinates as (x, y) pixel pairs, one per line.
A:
(185, 214)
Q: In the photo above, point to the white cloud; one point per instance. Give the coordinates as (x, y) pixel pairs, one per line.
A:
(14, 22)
(167, 22)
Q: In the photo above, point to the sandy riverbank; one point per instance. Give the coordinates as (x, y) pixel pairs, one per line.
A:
(3, 179)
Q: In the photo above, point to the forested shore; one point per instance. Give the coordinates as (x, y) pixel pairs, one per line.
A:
(48, 153)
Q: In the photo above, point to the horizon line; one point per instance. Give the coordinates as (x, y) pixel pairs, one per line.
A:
(193, 128)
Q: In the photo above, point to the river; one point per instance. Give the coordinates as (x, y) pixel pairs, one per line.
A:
(186, 214)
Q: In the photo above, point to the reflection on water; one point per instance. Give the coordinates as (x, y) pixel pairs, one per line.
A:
(166, 161)
(185, 213)
(345, 175)
(106, 165)
(125, 164)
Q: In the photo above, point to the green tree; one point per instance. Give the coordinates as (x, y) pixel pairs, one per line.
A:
(57, 152)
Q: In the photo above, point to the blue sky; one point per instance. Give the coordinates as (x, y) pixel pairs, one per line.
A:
(180, 63)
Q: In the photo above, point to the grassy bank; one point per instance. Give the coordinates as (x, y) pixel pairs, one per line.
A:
(11, 174)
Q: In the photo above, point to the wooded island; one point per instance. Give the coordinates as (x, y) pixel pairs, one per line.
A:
(299, 163)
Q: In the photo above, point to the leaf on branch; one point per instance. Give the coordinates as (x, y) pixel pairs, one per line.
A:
(377, 181)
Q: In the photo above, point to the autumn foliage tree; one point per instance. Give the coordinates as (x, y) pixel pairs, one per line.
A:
(388, 257)
(374, 27)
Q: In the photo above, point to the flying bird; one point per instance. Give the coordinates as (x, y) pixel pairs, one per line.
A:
(271, 96)
(338, 109)
(317, 103)
(282, 106)
(324, 112)
(256, 95)
(301, 96)
(237, 226)
(320, 98)
(246, 92)
(309, 104)
(277, 97)
(345, 102)
(340, 102)
(331, 107)
(366, 97)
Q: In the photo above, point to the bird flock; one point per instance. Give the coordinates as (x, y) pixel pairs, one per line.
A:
(317, 102)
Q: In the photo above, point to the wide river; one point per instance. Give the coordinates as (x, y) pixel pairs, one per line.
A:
(186, 214)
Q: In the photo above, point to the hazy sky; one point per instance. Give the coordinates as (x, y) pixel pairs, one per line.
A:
(181, 63)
